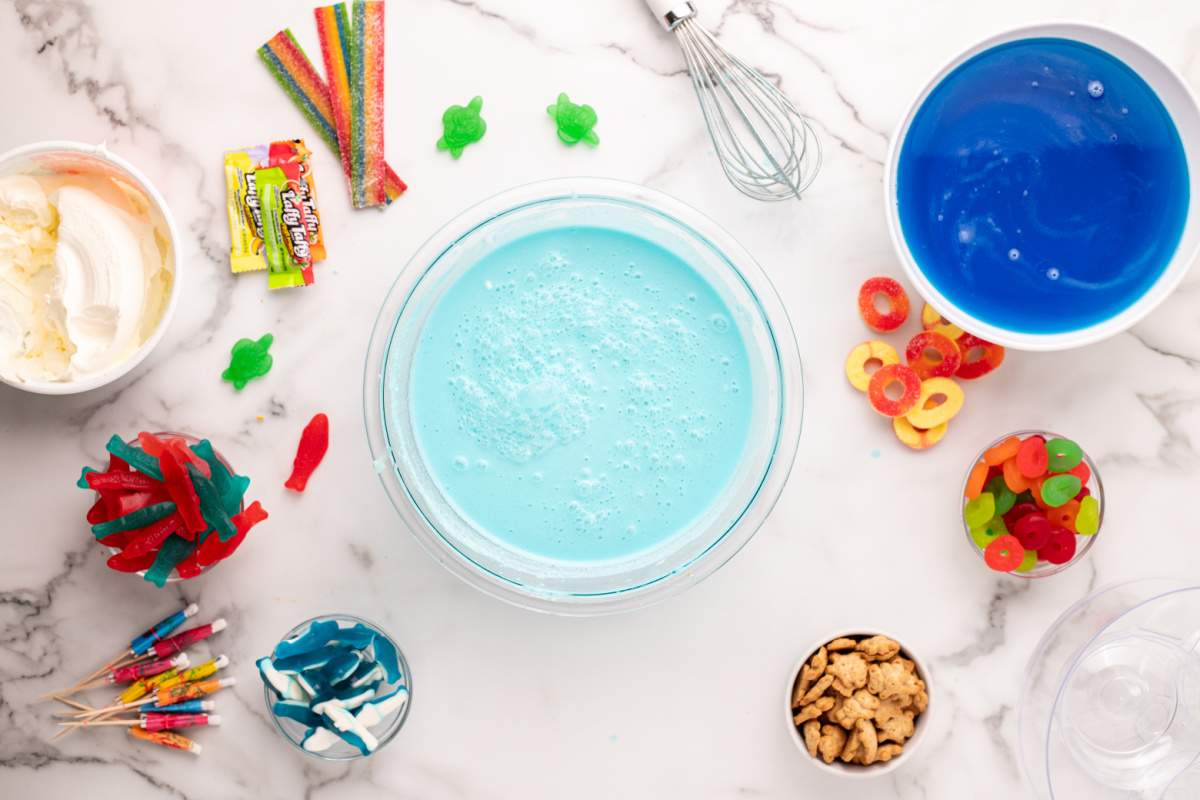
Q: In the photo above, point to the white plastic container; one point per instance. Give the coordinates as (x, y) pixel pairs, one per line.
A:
(1182, 105)
(56, 157)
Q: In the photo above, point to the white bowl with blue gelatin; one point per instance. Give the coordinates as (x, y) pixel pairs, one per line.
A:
(1042, 191)
(582, 395)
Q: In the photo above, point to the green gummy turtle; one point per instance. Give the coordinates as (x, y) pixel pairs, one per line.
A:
(575, 122)
(461, 126)
(248, 360)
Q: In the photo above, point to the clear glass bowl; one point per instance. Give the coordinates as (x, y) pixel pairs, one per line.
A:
(1083, 544)
(620, 583)
(385, 731)
(187, 437)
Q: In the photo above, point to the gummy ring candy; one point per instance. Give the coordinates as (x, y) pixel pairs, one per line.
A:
(1032, 458)
(1081, 471)
(932, 320)
(897, 302)
(980, 510)
(1058, 490)
(978, 357)
(1087, 521)
(918, 438)
(927, 417)
(1033, 531)
(1028, 562)
(1018, 511)
(918, 350)
(976, 480)
(1061, 547)
(988, 532)
(1013, 477)
(997, 455)
(864, 354)
(1005, 497)
(911, 385)
(1005, 553)
(1065, 515)
(1064, 455)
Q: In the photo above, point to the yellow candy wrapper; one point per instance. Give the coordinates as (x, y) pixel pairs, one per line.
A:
(242, 206)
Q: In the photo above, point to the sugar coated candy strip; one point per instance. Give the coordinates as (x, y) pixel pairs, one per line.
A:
(293, 70)
(314, 442)
(333, 32)
(367, 120)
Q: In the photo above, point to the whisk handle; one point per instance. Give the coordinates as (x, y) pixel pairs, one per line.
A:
(670, 12)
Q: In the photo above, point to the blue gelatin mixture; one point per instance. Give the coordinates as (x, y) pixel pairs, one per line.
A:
(1042, 186)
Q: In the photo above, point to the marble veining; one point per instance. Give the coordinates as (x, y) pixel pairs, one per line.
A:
(679, 700)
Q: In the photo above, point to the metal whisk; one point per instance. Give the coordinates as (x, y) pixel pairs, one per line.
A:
(766, 147)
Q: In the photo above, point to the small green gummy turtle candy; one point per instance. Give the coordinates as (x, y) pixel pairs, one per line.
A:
(461, 126)
(575, 122)
(248, 360)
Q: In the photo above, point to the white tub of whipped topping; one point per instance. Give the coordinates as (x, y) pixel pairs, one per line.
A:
(89, 264)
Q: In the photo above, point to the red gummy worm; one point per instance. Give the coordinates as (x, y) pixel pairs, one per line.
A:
(314, 441)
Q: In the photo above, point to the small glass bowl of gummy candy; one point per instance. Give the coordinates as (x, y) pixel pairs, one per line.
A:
(190, 440)
(1022, 534)
(349, 665)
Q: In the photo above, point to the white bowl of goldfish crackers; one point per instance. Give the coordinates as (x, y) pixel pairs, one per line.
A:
(858, 704)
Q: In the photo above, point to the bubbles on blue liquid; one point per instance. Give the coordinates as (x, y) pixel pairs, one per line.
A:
(461, 463)
(1095, 89)
(1052, 273)
(1014, 254)
(719, 322)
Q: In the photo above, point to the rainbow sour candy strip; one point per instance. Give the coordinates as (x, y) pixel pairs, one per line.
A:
(293, 70)
(333, 32)
(367, 60)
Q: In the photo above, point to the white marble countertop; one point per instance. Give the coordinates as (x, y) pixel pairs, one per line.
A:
(679, 700)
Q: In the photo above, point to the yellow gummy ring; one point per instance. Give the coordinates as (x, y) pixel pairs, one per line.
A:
(918, 438)
(932, 320)
(856, 362)
(924, 417)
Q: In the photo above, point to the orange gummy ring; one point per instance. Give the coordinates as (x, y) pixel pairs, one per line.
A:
(864, 354)
(918, 438)
(932, 320)
(1013, 479)
(1064, 516)
(897, 302)
(997, 455)
(976, 480)
(885, 377)
(979, 357)
(930, 416)
(948, 356)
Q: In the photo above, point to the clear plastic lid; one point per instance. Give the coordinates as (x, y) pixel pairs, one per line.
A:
(1111, 702)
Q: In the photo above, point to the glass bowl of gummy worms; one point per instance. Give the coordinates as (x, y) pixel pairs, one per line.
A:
(582, 396)
(1033, 504)
(337, 687)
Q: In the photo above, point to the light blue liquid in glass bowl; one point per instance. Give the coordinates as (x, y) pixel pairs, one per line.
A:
(582, 396)
(581, 393)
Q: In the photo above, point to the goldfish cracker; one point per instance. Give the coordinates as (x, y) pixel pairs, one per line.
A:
(243, 209)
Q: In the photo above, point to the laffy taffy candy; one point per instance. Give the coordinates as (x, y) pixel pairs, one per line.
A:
(1037, 484)
(895, 297)
(242, 208)
(285, 226)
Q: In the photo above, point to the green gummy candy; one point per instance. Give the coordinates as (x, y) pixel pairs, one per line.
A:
(249, 359)
(1005, 498)
(173, 550)
(1087, 521)
(83, 473)
(1028, 562)
(212, 508)
(985, 534)
(980, 510)
(1064, 455)
(573, 121)
(134, 519)
(1059, 489)
(461, 126)
(135, 457)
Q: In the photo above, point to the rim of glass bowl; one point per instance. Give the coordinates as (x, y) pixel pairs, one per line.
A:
(190, 439)
(393, 727)
(787, 368)
(1049, 569)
